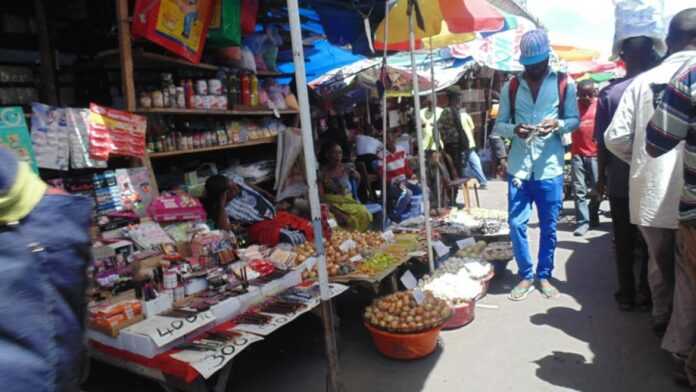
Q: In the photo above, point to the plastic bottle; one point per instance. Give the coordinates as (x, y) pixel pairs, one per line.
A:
(254, 99)
(246, 90)
(188, 91)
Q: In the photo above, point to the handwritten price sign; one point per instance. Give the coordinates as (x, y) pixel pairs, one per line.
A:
(164, 330)
(209, 362)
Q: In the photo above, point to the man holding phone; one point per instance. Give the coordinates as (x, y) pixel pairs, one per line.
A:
(536, 109)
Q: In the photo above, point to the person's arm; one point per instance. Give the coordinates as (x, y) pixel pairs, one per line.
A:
(671, 121)
(602, 121)
(619, 136)
(571, 120)
(504, 127)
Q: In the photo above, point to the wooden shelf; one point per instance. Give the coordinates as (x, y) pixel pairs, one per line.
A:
(142, 59)
(205, 112)
(255, 142)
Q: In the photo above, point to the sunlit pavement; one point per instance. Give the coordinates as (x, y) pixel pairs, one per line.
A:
(579, 342)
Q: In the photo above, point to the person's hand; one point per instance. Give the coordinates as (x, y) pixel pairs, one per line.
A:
(522, 131)
(502, 168)
(600, 190)
(547, 126)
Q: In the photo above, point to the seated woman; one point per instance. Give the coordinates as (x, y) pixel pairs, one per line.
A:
(400, 190)
(335, 190)
(231, 200)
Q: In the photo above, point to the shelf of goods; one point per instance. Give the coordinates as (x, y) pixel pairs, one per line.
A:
(255, 142)
(211, 112)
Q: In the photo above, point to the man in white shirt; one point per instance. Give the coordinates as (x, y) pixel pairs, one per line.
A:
(655, 184)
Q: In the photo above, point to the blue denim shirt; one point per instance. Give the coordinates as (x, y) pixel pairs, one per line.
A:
(542, 157)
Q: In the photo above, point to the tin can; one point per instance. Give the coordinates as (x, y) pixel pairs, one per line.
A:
(207, 101)
(214, 87)
(201, 87)
(222, 101)
(197, 102)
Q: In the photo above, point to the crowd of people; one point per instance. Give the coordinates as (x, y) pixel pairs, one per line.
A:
(634, 141)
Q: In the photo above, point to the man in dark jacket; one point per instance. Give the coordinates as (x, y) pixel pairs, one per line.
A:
(44, 249)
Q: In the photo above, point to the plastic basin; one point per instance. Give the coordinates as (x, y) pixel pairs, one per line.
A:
(404, 345)
(463, 315)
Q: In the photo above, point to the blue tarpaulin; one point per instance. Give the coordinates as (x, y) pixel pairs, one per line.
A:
(322, 58)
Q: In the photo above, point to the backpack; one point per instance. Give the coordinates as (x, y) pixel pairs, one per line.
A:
(562, 89)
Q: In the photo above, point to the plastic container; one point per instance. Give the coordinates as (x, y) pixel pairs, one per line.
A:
(463, 315)
(404, 345)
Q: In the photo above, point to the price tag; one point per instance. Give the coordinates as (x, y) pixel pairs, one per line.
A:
(409, 280)
(164, 330)
(388, 236)
(347, 245)
(210, 362)
(465, 243)
(441, 249)
(418, 295)
(332, 223)
(356, 258)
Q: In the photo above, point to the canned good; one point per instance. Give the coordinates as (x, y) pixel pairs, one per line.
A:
(214, 87)
(197, 101)
(222, 101)
(207, 101)
(157, 99)
(201, 87)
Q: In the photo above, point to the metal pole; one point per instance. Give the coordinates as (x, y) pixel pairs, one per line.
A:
(419, 136)
(310, 167)
(436, 129)
(385, 119)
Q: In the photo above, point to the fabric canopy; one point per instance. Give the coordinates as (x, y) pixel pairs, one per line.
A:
(459, 16)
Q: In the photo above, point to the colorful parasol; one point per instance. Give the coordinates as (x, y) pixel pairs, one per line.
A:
(459, 17)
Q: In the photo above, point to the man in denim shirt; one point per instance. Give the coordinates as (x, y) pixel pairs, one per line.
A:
(535, 162)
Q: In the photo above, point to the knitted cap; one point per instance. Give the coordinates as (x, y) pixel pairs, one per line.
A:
(534, 47)
(8, 169)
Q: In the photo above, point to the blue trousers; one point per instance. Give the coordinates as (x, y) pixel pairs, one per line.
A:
(547, 195)
(473, 167)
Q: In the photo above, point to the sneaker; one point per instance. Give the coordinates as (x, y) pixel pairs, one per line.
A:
(581, 230)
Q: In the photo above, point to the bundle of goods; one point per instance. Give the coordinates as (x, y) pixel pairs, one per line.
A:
(464, 270)
(403, 327)
(481, 220)
(498, 251)
(110, 319)
(472, 251)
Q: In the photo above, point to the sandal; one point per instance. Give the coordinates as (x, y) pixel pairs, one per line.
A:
(549, 292)
(520, 293)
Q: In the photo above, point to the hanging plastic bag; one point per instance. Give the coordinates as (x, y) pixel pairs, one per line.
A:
(225, 27)
(636, 18)
(250, 9)
(180, 26)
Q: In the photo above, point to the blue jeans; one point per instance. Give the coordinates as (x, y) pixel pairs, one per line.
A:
(584, 181)
(399, 196)
(547, 195)
(473, 166)
(43, 279)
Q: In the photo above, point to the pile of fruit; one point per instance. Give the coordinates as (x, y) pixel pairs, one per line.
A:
(400, 313)
(341, 251)
(377, 263)
(473, 251)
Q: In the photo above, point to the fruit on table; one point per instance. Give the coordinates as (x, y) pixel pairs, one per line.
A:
(338, 260)
(377, 263)
(400, 313)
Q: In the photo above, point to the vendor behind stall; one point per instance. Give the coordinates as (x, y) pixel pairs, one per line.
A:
(400, 190)
(336, 185)
(230, 200)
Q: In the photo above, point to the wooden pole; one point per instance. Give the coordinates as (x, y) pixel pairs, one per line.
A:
(127, 79)
(49, 92)
(126, 53)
